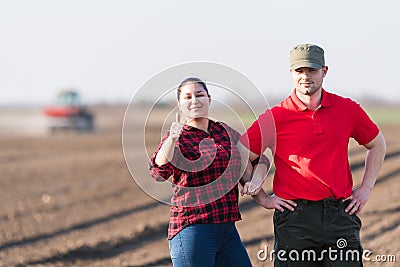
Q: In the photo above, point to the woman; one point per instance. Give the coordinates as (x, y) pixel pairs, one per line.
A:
(202, 229)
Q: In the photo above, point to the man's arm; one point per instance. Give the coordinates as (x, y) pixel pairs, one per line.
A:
(273, 201)
(259, 175)
(251, 184)
(373, 163)
(246, 157)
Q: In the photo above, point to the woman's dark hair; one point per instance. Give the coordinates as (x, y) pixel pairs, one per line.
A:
(192, 80)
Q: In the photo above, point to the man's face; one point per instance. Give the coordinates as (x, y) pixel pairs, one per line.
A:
(307, 81)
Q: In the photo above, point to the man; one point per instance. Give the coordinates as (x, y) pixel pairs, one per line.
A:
(315, 219)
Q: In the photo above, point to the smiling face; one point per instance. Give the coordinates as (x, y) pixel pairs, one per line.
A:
(193, 101)
(307, 81)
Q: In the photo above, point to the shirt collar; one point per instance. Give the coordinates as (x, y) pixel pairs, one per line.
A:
(211, 125)
(300, 106)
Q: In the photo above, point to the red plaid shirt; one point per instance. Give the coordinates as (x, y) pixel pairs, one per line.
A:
(216, 202)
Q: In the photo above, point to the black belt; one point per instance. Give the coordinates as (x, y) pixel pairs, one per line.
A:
(323, 202)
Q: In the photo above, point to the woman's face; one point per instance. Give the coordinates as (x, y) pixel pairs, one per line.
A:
(193, 101)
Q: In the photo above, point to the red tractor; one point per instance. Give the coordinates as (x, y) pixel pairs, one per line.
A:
(69, 114)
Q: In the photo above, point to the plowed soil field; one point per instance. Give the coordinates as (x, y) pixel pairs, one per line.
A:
(69, 200)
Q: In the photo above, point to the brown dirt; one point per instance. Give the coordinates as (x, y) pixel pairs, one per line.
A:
(69, 200)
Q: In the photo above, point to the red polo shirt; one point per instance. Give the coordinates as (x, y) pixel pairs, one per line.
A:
(311, 147)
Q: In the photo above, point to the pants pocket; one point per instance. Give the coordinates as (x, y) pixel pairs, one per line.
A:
(281, 218)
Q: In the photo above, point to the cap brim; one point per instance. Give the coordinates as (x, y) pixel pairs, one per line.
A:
(306, 64)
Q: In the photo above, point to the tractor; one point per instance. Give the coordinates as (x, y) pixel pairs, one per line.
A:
(69, 114)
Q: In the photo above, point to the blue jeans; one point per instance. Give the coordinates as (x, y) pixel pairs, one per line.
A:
(208, 245)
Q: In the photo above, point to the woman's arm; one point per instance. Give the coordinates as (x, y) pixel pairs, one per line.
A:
(253, 185)
(258, 176)
(166, 151)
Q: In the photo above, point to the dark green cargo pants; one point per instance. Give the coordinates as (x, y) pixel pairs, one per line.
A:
(317, 233)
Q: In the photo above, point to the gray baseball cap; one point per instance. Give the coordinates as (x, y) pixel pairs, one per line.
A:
(307, 55)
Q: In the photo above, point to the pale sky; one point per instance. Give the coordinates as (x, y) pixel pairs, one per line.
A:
(108, 49)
